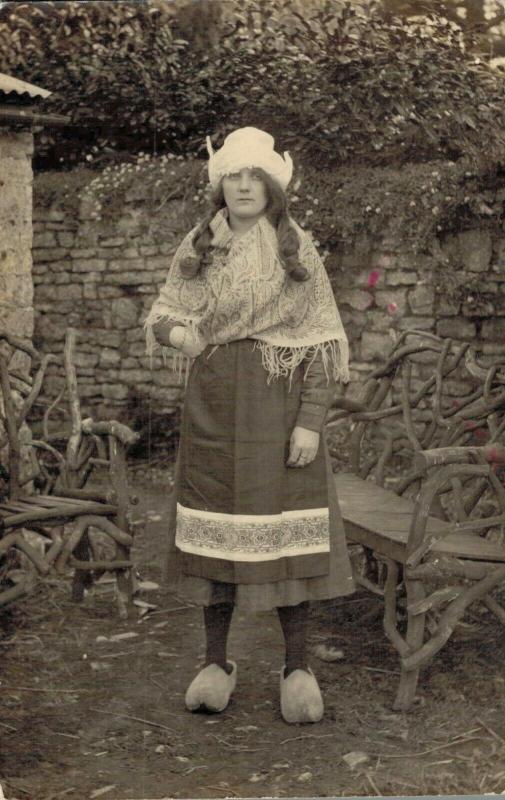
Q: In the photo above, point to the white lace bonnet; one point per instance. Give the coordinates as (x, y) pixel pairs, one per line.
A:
(248, 147)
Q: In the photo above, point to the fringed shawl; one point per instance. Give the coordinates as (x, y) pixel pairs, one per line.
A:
(246, 293)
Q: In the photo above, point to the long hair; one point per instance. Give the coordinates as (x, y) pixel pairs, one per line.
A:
(276, 212)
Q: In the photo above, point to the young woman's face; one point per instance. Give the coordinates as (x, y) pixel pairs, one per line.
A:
(245, 194)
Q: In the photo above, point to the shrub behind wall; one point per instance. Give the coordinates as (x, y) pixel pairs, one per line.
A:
(419, 247)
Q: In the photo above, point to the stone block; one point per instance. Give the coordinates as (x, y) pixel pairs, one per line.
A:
(113, 391)
(416, 323)
(455, 388)
(422, 299)
(135, 334)
(88, 277)
(82, 252)
(104, 337)
(146, 288)
(355, 298)
(134, 376)
(109, 357)
(471, 250)
(476, 249)
(168, 248)
(167, 377)
(45, 239)
(125, 278)
(125, 313)
(66, 225)
(89, 265)
(137, 349)
(126, 264)
(159, 263)
(111, 241)
(149, 250)
(493, 348)
(56, 266)
(447, 306)
(85, 359)
(43, 291)
(400, 277)
(95, 390)
(65, 238)
(457, 328)
(127, 362)
(49, 253)
(89, 292)
(70, 292)
(493, 329)
(47, 329)
(477, 306)
(375, 346)
(109, 292)
(384, 298)
(157, 277)
(379, 321)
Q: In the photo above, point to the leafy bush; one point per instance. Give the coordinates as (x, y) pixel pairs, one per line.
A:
(410, 206)
(337, 83)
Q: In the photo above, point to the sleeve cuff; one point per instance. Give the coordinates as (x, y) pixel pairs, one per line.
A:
(311, 419)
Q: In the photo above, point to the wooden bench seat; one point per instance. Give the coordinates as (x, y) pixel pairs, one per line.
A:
(379, 519)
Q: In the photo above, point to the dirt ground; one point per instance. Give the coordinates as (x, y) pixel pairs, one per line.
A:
(86, 716)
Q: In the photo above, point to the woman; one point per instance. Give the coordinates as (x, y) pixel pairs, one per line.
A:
(255, 518)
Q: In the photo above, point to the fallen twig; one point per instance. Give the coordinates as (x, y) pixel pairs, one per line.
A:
(33, 689)
(425, 752)
(309, 736)
(378, 669)
(135, 719)
(236, 748)
(192, 769)
(373, 785)
(168, 610)
(490, 730)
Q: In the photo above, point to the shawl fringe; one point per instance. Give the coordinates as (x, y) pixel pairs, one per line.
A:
(180, 362)
(282, 360)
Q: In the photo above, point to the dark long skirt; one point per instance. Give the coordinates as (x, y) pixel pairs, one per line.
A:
(243, 526)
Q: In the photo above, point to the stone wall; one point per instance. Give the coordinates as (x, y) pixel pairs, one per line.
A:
(102, 278)
(16, 289)
(458, 291)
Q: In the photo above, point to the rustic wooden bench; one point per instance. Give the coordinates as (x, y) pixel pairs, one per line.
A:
(43, 485)
(424, 496)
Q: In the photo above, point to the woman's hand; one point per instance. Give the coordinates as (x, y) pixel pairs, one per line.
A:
(162, 332)
(186, 341)
(303, 447)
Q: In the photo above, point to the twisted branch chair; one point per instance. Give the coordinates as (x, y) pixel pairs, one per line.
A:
(60, 479)
(424, 497)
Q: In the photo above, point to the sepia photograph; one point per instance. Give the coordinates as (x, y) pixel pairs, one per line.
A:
(252, 399)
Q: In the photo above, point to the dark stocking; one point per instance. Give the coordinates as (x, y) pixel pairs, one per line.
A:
(293, 621)
(217, 620)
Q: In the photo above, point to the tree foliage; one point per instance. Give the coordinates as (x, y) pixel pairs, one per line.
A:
(335, 81)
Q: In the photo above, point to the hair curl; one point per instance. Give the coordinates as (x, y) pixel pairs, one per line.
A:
(276, 212)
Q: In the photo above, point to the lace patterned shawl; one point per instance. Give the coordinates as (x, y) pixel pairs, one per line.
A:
(245, 293)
